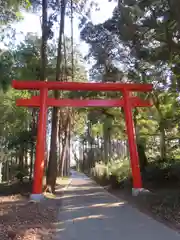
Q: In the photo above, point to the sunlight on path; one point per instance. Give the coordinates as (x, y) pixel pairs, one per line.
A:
(88, 212)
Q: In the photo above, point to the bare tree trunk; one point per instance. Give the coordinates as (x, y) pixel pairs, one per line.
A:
(16, 157)
(161, 129)
(69, 148)
(106, 136)
(60, 143)
(162, 141)
(31, 160)
(64, 147)
(43, 73)
(174, 8)
(63, 156)
(141, 143)
(67, 155)
(32, 148)
(21, 157)
(7, 171)
(26, 156)
(52, 165)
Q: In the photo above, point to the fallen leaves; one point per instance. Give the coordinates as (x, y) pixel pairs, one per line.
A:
(23, 220)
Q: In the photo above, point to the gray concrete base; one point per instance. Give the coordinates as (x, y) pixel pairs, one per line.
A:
(36, 197)
(137, 191)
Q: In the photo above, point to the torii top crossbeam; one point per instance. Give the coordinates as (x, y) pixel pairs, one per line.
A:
(91, 86)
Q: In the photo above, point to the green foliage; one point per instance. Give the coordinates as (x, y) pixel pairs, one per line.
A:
(13, 118)
(119, 169)
(163, 172)
(10, 10)
(6, 68)
(116, 173)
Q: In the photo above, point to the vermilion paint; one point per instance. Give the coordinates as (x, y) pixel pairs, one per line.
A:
(35, 102)
(40, 144)
(137, 182)
(74, 86)
(43, 102)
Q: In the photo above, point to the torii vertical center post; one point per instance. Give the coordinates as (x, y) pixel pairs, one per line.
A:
(42, 101)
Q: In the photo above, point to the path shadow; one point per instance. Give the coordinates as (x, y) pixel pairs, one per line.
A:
(89, 212)
(83, 208)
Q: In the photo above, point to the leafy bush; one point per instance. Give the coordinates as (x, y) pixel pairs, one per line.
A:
(100, 173)
(119, 172)
(161, 172)
(115, 173)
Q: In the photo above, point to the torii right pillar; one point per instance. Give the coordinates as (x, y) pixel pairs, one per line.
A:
(134, 158)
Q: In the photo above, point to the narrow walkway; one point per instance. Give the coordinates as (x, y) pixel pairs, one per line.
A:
(90, 213)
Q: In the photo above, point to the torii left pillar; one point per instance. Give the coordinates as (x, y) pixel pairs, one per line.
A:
(40, 147)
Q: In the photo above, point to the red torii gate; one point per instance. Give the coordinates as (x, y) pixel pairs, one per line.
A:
(43, 102)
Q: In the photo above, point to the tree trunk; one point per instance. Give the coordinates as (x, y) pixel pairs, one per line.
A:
(52, 165)
(32, 147)
(141, 144)
(63, 156)
(161, 129)
(60, 142)
(43, 73)
(162, 141)
(69, 149)
(21, 157)
(174, 8)
(26, 156)
(7, 171)
(16, 157)
(64, 148)
(106, 135)
(31, 160)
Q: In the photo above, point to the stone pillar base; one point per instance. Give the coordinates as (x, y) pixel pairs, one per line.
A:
(36, 197)
(137, 191)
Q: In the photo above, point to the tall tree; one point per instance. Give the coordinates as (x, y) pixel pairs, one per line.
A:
(45, 36)
(52, 165)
